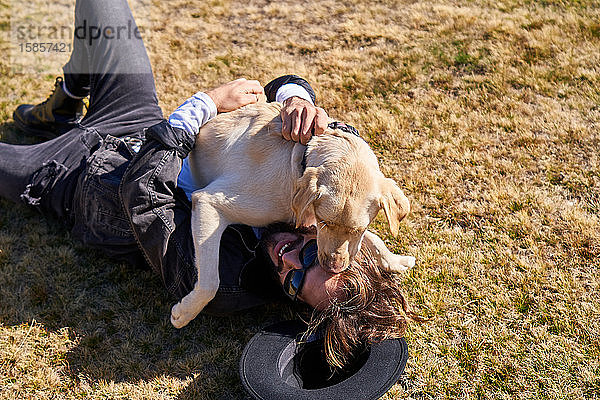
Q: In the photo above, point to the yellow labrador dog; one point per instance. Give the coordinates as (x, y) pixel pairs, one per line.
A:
(250, 174)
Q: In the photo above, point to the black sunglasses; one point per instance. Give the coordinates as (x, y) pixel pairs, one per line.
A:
(294, 280)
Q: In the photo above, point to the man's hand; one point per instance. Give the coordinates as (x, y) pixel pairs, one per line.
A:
(301, 120)
(236, 94)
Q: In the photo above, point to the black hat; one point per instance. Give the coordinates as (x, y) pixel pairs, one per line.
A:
(275, 366)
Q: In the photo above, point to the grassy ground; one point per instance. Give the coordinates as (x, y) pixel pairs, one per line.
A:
(486, 112)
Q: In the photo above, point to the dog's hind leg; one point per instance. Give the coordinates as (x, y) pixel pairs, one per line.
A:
(208, 224)
(384, 257)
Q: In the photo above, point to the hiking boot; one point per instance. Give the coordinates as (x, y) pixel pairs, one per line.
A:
(56, 115)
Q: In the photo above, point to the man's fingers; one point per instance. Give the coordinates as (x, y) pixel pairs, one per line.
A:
(235, 94)
(304, 139)
(249, 98)
(301, 120)
(247, 86)
(320, 123)
(308, 116)
(255, 87)
(285, 126)
(296, 125)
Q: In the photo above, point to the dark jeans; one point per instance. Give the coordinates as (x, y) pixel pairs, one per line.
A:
(77, 175)
(121, 104)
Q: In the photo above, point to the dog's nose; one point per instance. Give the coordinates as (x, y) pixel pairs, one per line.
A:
(334, 263)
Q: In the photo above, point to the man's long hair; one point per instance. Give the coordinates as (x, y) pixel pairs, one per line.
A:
(367, 308)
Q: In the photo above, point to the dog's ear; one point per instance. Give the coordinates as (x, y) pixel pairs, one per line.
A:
(394, 203)
(305, 193)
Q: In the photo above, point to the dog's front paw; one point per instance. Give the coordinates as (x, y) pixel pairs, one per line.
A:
(409, 261)
(179, 318)
(399, 264)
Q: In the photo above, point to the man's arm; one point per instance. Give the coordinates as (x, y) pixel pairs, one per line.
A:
(201, 107)
(158, 211)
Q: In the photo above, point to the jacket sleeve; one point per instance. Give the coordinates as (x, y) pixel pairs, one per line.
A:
(272, 87)
(158, 211)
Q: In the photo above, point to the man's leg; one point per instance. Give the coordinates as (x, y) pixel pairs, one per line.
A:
(108, 62)
(45, 174)
(109, 47)
(114, 69)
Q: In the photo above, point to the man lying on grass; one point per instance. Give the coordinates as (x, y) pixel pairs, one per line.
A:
(119, 178)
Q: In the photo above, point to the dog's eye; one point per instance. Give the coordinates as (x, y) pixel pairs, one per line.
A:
(322, 224)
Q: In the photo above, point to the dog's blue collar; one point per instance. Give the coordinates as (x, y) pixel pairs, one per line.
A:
(332, 125)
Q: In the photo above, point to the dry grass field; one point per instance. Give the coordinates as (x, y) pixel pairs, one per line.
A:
(486, 112)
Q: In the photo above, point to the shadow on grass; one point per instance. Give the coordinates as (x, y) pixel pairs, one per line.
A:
(117, 316)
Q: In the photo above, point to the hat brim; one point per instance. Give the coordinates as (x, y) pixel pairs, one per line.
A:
(265, 364)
